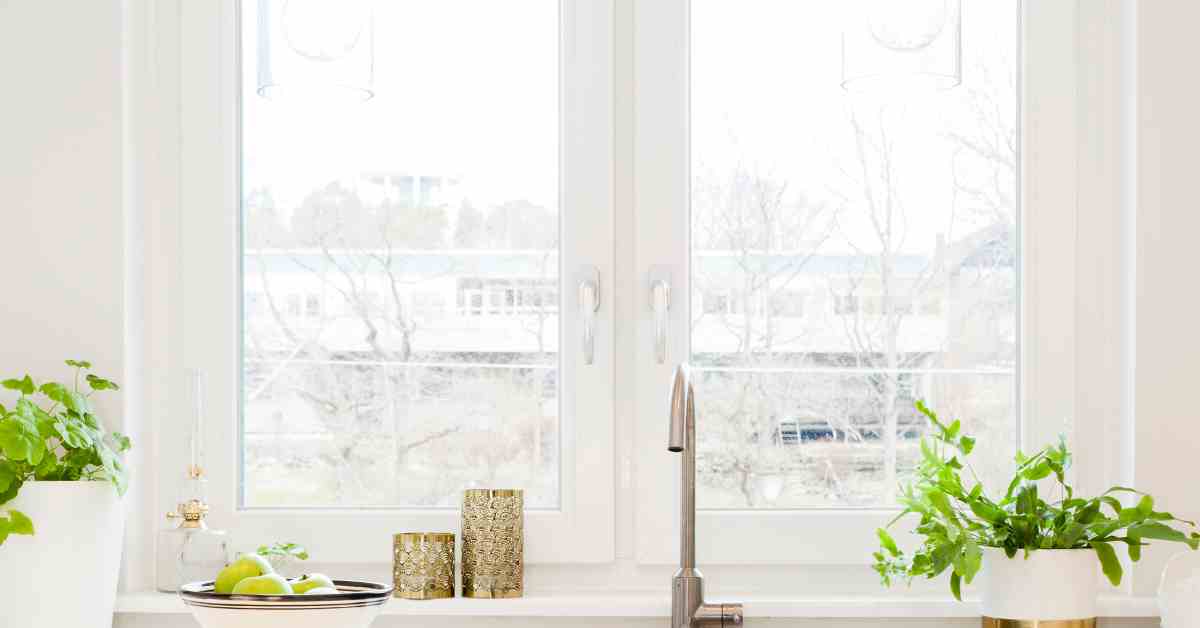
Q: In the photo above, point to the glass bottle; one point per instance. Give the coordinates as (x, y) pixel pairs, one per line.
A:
(191, 551)
(1179, 591)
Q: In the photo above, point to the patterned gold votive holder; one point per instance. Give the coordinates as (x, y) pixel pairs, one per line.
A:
(423, 565)
(991, 622)
(493, 543)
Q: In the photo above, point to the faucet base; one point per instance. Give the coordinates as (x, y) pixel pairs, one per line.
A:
(688, 609)
(687, 595)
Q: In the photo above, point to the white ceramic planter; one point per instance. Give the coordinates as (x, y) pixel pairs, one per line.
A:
(1048, 585)
(66, 573)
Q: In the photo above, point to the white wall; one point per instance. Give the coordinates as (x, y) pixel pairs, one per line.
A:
(61, 187)
(70, 290)
(1167, 433)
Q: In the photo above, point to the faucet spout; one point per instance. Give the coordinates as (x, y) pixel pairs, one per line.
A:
(681, 408)
(688, 609)
(682, 439)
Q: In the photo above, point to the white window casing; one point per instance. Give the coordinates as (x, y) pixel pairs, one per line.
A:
(1059, 291)
(582, 529)
(1048, 154)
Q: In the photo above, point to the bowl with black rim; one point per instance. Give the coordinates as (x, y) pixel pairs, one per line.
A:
(355, 605)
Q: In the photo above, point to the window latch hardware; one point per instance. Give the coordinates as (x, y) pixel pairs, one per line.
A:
(589, 305)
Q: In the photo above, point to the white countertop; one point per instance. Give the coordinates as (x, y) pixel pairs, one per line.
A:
(642, 605)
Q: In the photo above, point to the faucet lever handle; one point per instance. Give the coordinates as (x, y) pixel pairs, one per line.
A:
(714, 614)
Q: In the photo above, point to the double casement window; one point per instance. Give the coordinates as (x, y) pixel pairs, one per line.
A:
(430, 246)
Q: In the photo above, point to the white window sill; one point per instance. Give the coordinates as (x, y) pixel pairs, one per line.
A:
(640, 605)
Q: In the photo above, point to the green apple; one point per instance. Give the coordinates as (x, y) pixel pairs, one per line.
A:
(269, 584)
(246, 566)
(321, 591)
(312, 581)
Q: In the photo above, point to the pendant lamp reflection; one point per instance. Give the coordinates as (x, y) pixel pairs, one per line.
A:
(892, 45)
(316, 50)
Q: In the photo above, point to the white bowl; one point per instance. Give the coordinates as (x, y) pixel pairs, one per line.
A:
(355, 605)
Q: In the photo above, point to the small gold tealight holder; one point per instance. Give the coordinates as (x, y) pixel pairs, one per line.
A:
(991, 622)
(423, 565)
(493, 543)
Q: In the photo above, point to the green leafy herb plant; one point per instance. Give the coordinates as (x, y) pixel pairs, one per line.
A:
(958, 519)
(283, 550)
(51, 434)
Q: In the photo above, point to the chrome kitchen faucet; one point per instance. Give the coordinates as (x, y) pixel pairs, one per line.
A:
(688, 609)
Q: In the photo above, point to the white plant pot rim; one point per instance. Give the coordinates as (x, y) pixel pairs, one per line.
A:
(68, 483)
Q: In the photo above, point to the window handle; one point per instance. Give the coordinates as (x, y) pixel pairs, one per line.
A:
(660, 304)
(589, 304)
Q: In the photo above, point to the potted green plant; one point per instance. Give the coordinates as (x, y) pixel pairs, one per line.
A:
(1038, 554)
(61, 521)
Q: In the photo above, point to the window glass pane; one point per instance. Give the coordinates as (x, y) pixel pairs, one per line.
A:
(400, 261)
(851, 253)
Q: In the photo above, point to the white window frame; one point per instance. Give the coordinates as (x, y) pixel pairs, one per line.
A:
(1067, 159)
(1049, 183)
(206, 322)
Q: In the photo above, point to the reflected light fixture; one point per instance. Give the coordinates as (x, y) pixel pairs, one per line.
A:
(901, 45)
(316, 50)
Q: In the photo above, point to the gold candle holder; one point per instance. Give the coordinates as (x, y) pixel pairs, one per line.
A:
(423, 565)
(493, 543)
(992, 622)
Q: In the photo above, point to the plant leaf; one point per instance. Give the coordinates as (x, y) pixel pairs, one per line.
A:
(123, 444)
(25, 385)
(1038, 471)
(7, 475)
(1071, 535)
(1027, 499)
(54, 391)
(37, 448)
(929, 414)
(987, 511)
(99, 383)
(970, 562)
(1160, 531)
(887, 542)
(19, 523)
(956, 585)
(941, 503)
(1130, 516)
(46, 469)
(13, 442)
(1108, 561)
(76, 402)
(1135, 547)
